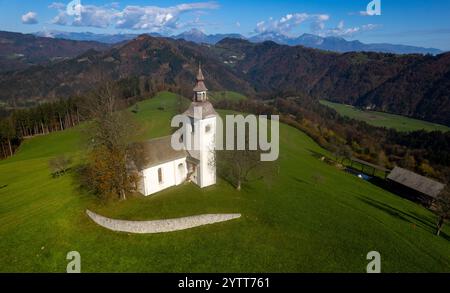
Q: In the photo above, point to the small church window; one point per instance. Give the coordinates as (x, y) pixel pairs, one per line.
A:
(160, 177)
(208, 128)
(192, 125)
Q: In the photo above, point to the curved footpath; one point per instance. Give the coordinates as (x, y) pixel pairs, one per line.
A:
(160, 226)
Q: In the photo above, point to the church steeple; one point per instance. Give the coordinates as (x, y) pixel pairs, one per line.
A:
(200, 90)
(200, 76)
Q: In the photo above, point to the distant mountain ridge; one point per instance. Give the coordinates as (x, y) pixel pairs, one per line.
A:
(193, 35)
(88, 36)
(19, 51)
(199, 37)
(335, 44)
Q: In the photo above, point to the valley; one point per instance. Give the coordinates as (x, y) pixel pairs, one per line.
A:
(381, 119)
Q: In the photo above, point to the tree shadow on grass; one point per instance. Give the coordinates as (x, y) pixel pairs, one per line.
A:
(298, 180)
(412, 218)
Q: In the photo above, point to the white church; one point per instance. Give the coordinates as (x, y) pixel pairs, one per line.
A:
(161, 167)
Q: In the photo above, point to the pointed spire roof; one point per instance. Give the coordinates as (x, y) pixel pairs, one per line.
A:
(200, 76)
(200, 86)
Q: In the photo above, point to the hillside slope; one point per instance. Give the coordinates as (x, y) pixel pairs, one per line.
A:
(411, 85)
(312, 218)
(19, 51)
(158, 63)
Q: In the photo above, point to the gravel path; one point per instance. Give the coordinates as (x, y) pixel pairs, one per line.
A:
(160, 226)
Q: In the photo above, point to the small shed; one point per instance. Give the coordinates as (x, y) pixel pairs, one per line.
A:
(424, 188)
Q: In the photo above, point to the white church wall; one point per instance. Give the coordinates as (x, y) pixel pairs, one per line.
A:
(207, 140)
(173, 173)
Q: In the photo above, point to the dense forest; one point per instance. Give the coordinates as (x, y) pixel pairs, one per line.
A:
(40, 120)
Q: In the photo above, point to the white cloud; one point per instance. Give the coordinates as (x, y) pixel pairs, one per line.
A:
(341, 31)
(94, 16)
(57, 5)
(287, 23)
(360, 13)
(150, 18)
(60, 19)
(30, 18)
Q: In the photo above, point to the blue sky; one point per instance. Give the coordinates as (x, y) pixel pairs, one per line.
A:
(411, 22)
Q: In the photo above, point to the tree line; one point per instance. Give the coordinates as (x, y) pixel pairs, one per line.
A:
(43, 119)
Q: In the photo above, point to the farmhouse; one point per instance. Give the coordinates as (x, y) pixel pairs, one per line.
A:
(422, 188)
(161, 167)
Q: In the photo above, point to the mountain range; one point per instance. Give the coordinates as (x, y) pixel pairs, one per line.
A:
(339, 44)
(19, 51)
(410, 85)
(335, 44)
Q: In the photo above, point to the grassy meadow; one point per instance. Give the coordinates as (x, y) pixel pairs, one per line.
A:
(226, 95)
(312, 218)
(387, 120)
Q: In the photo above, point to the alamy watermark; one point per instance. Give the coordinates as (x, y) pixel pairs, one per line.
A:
(74, 8)
(374, 266)
(74, 265)
(241, 133)
(374, 8)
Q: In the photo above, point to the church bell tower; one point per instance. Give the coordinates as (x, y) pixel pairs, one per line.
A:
(203, 133)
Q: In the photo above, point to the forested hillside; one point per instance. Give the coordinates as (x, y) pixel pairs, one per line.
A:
(411, 85)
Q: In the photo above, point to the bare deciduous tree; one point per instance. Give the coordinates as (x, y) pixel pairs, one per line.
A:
(442, 204)
(110, 133)
(243, 166)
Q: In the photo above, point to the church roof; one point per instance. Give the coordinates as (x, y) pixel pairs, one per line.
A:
(200, 76)
(207, 110)
(415, 181)
(155, 152)
(200, 87)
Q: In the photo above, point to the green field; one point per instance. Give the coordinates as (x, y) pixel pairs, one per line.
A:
(381, 119)
(226, 95)
(313, 218)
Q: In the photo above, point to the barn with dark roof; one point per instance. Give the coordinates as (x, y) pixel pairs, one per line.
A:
(422, 188)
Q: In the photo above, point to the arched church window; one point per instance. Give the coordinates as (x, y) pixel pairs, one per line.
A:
(208, 128)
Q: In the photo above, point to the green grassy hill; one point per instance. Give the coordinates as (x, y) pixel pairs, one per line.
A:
(226, 95)
(381, 119)
(314, 218)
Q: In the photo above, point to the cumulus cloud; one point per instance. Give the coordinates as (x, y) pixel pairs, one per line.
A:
(93, 16)
(30, 18)
(60, 19)
(287, 23)
(151, 18)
